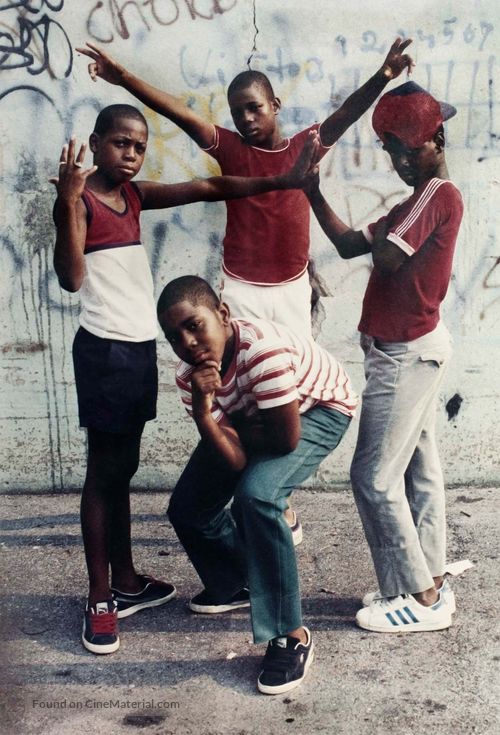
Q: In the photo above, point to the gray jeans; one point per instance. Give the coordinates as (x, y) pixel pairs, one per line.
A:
(395, 473)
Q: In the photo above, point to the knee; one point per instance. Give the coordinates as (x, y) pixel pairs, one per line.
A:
(176, 512)
(373, 490)
(243, 501)
(109, 473)
(130, 467)
(248, 501)
(363, 482)
(358, 476)
(245, 495)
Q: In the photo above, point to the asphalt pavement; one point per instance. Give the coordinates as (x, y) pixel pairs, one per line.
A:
(180, 673)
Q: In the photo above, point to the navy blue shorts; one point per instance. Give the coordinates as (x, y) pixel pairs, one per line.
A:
(116, 382)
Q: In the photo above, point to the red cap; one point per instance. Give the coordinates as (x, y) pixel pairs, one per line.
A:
(410, 113)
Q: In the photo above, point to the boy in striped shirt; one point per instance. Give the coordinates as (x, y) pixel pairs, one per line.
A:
(396, 474)
(269, 405)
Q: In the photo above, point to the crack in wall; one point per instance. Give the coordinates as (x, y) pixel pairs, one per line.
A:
(256, 33)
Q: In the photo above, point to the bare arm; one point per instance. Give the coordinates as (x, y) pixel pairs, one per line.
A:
(71, 219)
(360, 100)
(387, 256)
(274, 430)
(221, 436)
(348, 242)
(173, 108)
(158, 196)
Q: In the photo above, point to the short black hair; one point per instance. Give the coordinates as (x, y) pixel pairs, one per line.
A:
(187, 288)
(106, 119)
(247, 78)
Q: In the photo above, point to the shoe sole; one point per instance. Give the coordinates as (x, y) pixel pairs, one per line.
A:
(109, 648)
(409, 628)
(214, 609)
(282, 688)
(143, 605)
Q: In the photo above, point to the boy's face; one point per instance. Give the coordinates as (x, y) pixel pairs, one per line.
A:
(119, 153)
(196, 332)
(254, 114)
(414, 165)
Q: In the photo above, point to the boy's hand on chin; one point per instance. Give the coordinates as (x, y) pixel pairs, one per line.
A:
(205, 380)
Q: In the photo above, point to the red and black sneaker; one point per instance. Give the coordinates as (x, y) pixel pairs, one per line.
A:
(100, 628)
(155, 592)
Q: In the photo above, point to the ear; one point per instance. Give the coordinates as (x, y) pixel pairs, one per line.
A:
(276, 105)
(439, 140)
(93, 142)
(225, 313)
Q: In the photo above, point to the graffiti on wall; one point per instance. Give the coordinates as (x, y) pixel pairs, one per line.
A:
(205, 81)
(109, 19)
(35, 41)
(36, 60)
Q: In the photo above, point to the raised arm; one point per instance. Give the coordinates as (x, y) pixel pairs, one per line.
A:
(348, 242)
(360, 100)
(158, 196)
(70, 217)
(173, 108)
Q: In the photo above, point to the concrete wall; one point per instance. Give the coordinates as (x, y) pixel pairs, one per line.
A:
(315, 54)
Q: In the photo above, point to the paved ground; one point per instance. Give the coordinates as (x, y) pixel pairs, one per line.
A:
(180, 673)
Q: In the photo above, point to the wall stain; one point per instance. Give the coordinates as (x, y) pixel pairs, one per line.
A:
(453, 406)
(24, 347)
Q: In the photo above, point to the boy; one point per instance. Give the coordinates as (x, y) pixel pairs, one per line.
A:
(266, 245)
(98, 251)
(269, 406)
(396, 474)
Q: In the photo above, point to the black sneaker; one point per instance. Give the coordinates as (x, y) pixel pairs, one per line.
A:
(154, 593)
(100, 628)
(285, 664)
(203, 604)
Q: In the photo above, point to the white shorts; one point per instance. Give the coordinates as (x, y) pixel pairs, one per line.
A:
(287, 303)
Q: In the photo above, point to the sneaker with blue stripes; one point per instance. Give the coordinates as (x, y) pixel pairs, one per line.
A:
(445, 590)
(403, 614)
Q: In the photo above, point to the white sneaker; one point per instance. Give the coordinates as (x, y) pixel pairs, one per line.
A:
(446, 592)
(403, 614)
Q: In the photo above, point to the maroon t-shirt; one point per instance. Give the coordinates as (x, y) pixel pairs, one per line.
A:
(267, 235)
(403, 306)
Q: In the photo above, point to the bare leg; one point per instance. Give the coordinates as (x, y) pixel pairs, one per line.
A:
(105, 511)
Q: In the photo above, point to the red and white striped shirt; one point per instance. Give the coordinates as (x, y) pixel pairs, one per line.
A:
(271, 367)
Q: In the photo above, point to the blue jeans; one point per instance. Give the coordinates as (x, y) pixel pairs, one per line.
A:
(251, 544)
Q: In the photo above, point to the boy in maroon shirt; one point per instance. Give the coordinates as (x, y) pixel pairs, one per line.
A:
(266, 244)
(396, 474)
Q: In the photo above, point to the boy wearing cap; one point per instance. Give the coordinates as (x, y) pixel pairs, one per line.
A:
(395, 473)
